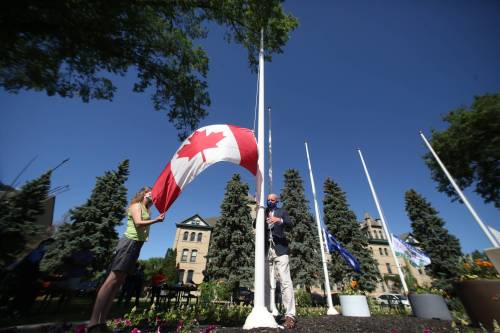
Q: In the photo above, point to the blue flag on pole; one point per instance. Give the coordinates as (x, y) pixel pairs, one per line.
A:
(334, 245)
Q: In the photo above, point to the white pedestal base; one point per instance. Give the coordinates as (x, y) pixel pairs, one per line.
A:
(260, 317)
(331, 311)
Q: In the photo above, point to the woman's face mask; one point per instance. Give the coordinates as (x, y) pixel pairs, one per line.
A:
(148, 198)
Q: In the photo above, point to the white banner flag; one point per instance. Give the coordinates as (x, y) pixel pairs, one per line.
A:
(416, 257)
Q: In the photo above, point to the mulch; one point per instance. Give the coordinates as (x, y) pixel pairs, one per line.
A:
(374, 324)
(320, 324)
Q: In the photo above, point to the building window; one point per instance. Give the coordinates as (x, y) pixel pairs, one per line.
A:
(189, 278)
(194, 254)
(381, 234)
(185, 253)
(385, 251)
(375, 234)
(193, 235)
(200, 235)
(389, 270)
(380, 250)
(186, 234)
(180, 275)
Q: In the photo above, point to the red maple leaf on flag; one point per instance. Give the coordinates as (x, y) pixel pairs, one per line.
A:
(198, 142)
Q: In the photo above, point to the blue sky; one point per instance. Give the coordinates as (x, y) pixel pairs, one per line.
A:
(354, 74)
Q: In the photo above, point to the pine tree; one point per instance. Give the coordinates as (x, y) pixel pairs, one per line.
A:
(342, 223)
(92, 223)
(305, 260)
(19, 210)
(434, 239)
(170, 267)
(231, 251)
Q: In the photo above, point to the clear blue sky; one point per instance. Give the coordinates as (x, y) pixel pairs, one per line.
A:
(355, 73)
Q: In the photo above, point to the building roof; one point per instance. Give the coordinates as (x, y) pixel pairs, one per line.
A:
(195, 222)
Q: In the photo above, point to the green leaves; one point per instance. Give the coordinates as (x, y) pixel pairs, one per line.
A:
(470, 149)
(342, 223)
(305, 258)
(94, 223)
(434, 239)
(231, 251)
(72, 48)
(19, 210)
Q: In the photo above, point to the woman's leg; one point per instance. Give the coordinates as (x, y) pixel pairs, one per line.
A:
(105, 297)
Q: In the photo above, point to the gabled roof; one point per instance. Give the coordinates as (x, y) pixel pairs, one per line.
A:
(194, 222)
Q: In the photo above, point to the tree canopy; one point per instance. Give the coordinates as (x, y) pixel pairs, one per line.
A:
(231, 251)
(305, 260)
(92, 224)
(470, 149)
(74, 47)
(342, 223)
(18, 212)
(442, 248)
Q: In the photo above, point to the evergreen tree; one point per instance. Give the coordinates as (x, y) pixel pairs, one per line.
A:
(18, 212)
(305, 260)
(170, 267)
(342, 223)
(231, 251)
(434, 239)
(92, 223)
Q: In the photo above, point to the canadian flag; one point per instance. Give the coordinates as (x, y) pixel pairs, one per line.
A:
(206, 146)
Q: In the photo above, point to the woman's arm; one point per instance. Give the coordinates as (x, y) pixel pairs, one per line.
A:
(135, 211)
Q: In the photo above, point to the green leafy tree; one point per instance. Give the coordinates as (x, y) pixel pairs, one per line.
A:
(305, 260)
(166, 265)
(231, 251)
(470, 149)
(72, 47)
(342, 223)
(434, 239)
(18, 213)
(92, 224)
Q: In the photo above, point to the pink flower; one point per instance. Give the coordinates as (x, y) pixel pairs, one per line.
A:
(393, 331)
(209, 329)
(128, 323)
(80, 329)
(135, 330)
(180, 325)
(427, 330)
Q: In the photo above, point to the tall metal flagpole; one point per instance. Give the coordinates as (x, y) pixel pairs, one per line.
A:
(270, 155)
(331, 309)
(462, 196)
(272, 281)
(260, 316)
(386, 228)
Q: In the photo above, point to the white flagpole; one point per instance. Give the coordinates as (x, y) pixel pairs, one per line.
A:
(386, 228)
(272, 281)
(260, 316)
(331, 309)
(462, 196)
(270, 155)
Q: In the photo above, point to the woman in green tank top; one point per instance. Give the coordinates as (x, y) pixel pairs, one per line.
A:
(126, 255)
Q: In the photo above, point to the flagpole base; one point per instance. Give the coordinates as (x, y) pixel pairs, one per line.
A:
(260, 317)
(331, 311)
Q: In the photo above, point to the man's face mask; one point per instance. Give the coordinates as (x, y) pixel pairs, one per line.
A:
(271, 204)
